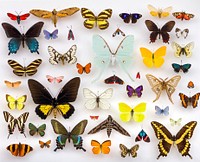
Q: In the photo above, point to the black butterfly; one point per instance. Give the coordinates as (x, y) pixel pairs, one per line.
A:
(130, 17)
(157, 32)
(18, 38)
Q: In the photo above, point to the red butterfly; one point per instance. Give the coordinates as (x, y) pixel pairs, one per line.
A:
(94, 117)
(52, 79)
(138, 75)
(183, 15)
(18, 18)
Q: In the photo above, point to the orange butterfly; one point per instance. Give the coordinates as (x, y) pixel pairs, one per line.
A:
(19, 149)
(12, 84)
(190, 84)
(101, 148)
(85, 68)
(45, 144)
(183, 15)
(94, 117)
(185, 100)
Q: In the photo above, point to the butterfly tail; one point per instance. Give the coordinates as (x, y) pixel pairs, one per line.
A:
(126, 71)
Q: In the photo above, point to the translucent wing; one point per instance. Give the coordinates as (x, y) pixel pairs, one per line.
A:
(107, 94)
(91, 97)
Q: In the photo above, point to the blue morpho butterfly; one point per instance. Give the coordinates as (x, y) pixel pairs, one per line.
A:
(142, 135)
(184, 67)
(130, 17)
(17, 38)
(160, 111)
(49, 35)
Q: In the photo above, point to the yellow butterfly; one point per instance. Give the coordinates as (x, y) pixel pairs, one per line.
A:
(126, 112)
(151, 59)
(53, 15)
(159, 12)
(92, 20)
(16, 103)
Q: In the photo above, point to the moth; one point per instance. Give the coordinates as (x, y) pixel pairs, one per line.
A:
(157, 85)
(94, 117)
(183, 50)
(177, 67)
(12, 84)
(70, 35)
(132, 17)
(109, 124)
(180, 32)
(175, 122)
(118, 31)
(45, 144)
(138, 75)
(190, 84)
(34, 130)
(160, 13)
(160, 111)
(50, 35)
(125, 151)
(19, 149)
(186, 101)
(134, 92)
(142, 135)
(18, 17)
(52, 79)
(101, 148)
(183, 15)
(114, 80)
(86, 69)
(16, 103)
(166, 139)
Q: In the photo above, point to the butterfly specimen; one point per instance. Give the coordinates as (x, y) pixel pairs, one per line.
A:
(193, 101)
(19, 149)
(52, 79)
(45, 144)
(96, 21)
(18, 17)
(175, 122)
(118, 32)
(101, 148)
(48, 104)
(127, 113)
(138, 75)
(160, 13)
(12, 84)
(159, 32)
(109, 124)
(105, 57)
(177, 67)
(183, 50)
(114, 80)
(166, 139)
(86, 68)
(132, 17)
(94, 117)
(70, 35)
(142, 136)
(48, 35)
(183, 15)
(13, 122)
(160, 111)
(16, 103)
(157, 85)
(73, 135)
(34, 130)
(155, 59)
(125, 151)
(18, 38)
(54, 15)
(134, 92)
(180, 32)
(29, 70)
(190, 84)
(97, 101)
(56, 57)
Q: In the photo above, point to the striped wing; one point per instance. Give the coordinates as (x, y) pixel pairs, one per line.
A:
(11, 122)
(21, 120)
(102, 19)
(19, 149)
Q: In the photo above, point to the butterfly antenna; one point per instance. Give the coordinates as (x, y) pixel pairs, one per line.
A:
(181, 62)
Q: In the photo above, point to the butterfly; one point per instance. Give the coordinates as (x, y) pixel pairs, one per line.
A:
(158, 32)
(190, 84)
(52, 79)
(18, 17)
(125, 151)
(48, 104)
(183, 50)
(12, 84)
(94, 117)
(175, 122)
(127, 113)
(178, 67)
(193, 101)
(45, 144)
(54, 15)
(70, 35)
(49, 35)
(29, 70)
(157, 85)
(92, 20)
(151, 59)
(105, 57)
(101, 148)
(18, 38)
(34, 130)
(166, 139)
(138, 75)
(56, 57)
(132, 17)
(118, 32)
(180, 32)
(160, 111)
(134, 92)
(73, 135)
(13, 122)
(160, 13)
(16, 103)
(114, 80)
(97, 101)
(109, 124)
(183, 15)
(86, 68)
(19, 149)
(142, 136)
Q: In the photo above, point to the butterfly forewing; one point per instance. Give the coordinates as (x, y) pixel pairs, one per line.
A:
(11, 31)
(79, 128)
(58, 127)
(67, 12)
(35, 30)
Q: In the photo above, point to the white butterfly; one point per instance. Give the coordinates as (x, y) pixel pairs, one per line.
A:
(175, 122)
(97, 101)
(180, 32)
(68, 57)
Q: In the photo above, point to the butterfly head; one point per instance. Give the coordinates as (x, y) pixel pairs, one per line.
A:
(54, 12)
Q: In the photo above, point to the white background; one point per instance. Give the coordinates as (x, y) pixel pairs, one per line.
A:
(85, 54)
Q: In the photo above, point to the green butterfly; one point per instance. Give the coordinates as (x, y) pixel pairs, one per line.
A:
(34, 130)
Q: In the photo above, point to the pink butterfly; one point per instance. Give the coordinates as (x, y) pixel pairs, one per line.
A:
(52, 79)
